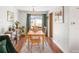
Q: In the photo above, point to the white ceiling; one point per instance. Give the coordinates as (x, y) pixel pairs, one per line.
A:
(38, 8)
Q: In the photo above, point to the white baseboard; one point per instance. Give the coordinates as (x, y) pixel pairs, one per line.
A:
(58, 46)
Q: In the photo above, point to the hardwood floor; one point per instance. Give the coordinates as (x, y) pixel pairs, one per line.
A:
(52, 45)
(19, 44)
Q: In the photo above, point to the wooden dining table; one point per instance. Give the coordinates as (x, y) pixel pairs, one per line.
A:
(39, 34)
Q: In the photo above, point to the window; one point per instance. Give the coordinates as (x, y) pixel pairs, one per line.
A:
(36, 20)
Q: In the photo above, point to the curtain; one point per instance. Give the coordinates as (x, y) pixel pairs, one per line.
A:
(28, 22)
(44, 20)
(45, 23)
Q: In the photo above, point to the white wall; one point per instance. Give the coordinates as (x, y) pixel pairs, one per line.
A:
(74, 29)
(61, 32)
(4, 24)
(66, 34)
(22, 17)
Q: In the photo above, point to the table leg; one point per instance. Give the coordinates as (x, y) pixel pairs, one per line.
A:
(43, 43)
(28, 43)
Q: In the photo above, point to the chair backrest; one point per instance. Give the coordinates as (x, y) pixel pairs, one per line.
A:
(36, 37)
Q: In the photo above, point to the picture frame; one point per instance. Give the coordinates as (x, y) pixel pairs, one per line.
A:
(59, 16)
(10, 16)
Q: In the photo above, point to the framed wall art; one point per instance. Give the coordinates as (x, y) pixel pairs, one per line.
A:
(10, 16)
(59, 16)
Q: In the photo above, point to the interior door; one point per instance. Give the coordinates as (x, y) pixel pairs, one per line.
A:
(50, 24)
(74, 29)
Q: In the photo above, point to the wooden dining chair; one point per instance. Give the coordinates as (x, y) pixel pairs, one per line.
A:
(35, 40)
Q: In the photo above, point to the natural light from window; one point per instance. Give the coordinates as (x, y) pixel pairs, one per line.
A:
(36, 20)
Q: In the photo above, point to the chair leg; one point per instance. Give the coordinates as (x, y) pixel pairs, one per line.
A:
(28, 45)
(39, 47)
(31, 47)
(43, 45)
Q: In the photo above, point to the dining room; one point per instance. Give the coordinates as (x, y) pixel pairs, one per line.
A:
(35, 22)
(38, 21)
(30, 28)
(37, 29)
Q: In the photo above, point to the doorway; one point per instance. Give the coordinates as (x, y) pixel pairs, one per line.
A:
(39, 20)
(50, 24)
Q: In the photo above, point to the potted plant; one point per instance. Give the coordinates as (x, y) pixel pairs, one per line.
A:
(17, 23)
